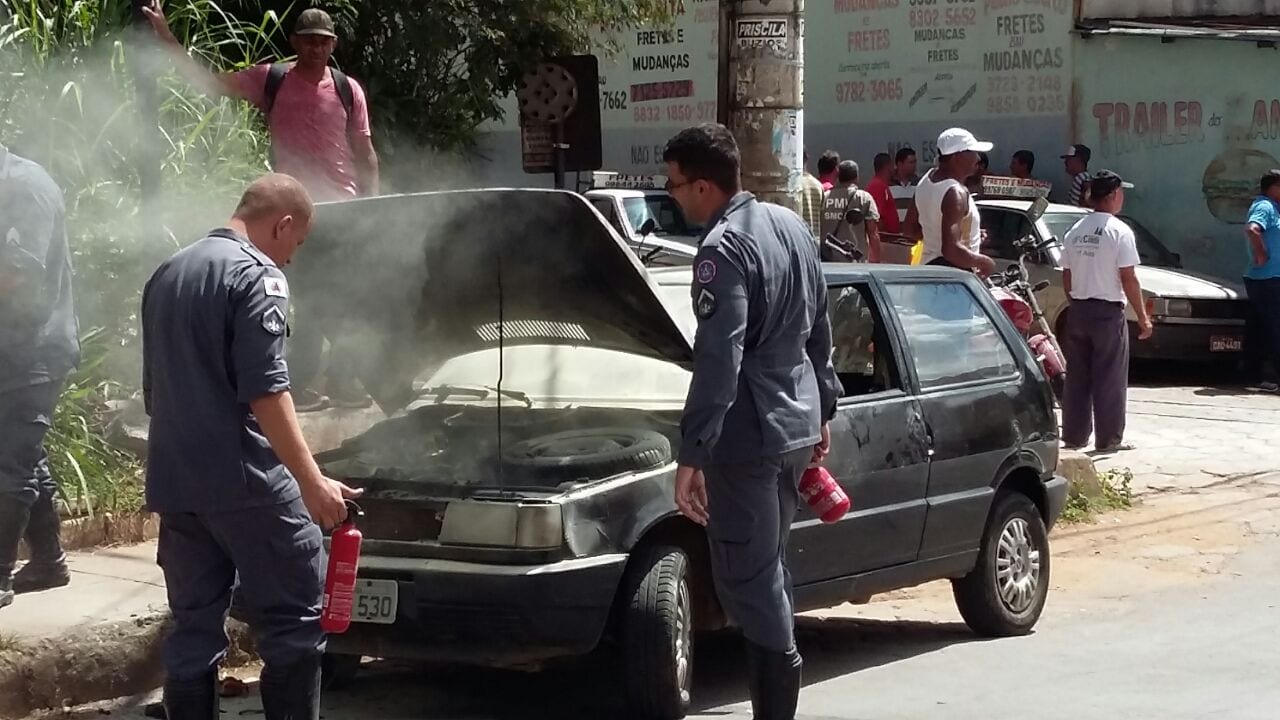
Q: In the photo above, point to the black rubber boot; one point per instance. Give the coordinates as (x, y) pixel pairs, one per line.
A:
(293, 692)
(13, 520)
(192, 699)
(48, 566)
(774, 680)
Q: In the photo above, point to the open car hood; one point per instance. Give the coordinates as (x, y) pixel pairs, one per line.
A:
(402, 283)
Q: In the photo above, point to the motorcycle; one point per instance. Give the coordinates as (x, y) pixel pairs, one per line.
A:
(1013, 290)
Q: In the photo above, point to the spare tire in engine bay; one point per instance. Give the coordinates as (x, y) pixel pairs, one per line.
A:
(594, 453)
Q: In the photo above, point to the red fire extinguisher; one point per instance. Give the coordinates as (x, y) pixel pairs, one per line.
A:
(340, 581)
(825, 496)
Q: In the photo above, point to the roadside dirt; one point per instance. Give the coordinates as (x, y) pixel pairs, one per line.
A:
(1166, 539)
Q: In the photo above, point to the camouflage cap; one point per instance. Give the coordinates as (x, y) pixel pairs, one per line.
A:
(314, 21)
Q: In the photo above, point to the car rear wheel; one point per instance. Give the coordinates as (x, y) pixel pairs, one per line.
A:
(656, 633)
(1005, 593)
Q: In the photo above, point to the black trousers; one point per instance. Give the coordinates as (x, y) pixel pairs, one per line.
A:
(1262, 334)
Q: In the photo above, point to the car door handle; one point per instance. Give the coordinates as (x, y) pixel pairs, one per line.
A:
(928, 432)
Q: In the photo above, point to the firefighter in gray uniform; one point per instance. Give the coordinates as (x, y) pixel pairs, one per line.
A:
(762, 392)
(227, 468)
(39, 347)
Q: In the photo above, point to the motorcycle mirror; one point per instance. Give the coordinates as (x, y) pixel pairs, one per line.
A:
(1013, 269)
(1038, 208)
(648, 226)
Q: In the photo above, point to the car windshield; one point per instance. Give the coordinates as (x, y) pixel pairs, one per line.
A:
(1150, 250)
(666, 215)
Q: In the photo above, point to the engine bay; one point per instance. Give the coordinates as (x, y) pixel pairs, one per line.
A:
(449, 450)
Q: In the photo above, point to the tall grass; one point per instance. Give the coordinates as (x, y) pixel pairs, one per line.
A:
(71, 72)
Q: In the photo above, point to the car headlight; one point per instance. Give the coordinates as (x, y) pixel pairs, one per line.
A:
(502, 524)
(1170, 307)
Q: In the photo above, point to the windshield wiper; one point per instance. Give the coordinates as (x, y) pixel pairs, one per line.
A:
(480, 392)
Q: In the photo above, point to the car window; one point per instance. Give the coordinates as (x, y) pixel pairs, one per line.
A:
(1150, 250)
(667, 218)
(951, 338)
(607, 209)
(1004, 228)
(861, 350)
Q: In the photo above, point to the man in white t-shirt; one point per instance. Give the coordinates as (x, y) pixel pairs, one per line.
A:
(1099, 256)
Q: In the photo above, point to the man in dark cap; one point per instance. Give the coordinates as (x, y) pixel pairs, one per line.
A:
(1099, 257)
(1076, 161)
(319, 123)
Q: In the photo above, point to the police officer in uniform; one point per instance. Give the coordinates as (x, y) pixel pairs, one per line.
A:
(851, 218)
(762, 392)
(39, 347)
(227, 467)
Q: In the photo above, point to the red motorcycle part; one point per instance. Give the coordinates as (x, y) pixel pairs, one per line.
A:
(1052, 360)
(1018, 310)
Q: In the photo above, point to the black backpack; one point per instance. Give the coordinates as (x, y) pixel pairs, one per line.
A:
(275, 76)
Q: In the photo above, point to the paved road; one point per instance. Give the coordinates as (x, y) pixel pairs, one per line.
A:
(1190, 652)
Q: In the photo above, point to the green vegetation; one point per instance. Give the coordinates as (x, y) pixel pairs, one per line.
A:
(147, 163)
(1117, 494)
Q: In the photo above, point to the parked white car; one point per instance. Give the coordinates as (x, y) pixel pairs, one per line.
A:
(630, 202)
(1196, 316)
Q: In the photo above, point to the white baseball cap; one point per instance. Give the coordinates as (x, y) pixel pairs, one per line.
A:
(957, 140)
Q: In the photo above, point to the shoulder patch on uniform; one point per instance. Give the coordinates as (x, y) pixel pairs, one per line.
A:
(706, 271)
(275, 286)
(273, 320)
(705, 306)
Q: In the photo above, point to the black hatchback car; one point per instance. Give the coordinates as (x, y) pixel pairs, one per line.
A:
(518, 502)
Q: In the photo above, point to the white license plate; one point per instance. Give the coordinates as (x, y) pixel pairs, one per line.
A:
(375, 601)
(1226, 343)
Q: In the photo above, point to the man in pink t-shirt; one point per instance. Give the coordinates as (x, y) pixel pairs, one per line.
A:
(316, 139)
(313, 136)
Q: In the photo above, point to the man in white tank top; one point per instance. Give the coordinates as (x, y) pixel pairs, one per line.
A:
(944, 213)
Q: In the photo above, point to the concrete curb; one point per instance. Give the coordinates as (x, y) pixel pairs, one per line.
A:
(1080, 472)
(94, 663)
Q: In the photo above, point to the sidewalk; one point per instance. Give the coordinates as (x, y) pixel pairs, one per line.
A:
(108, 585)
(97, 637)
(1189, 438)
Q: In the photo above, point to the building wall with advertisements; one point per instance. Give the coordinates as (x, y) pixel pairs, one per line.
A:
(879, 74)
(1194, 136)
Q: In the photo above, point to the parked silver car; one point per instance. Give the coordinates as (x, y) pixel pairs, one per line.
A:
(1196, 316)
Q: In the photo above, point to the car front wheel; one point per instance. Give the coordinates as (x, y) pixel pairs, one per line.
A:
(1005, 593)
(657, 634)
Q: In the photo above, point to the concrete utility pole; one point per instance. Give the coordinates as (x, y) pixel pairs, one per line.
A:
(765, 94)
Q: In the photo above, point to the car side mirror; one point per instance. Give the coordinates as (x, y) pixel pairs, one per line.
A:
(1038, 208)
(648, 227)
